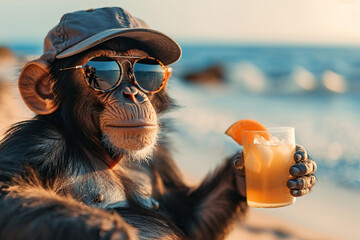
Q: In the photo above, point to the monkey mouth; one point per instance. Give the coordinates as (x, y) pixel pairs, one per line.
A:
(133, 126)
(140, 124)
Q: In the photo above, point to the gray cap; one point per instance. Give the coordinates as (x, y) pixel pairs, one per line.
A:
(81, 30)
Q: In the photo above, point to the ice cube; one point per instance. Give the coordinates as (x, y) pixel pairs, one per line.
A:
(266, 154)
(258, 139)
(285, 151)
(274, 141)
(252, 161)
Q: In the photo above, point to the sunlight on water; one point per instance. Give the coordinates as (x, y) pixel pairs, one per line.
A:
(334, 82)
(304, 79)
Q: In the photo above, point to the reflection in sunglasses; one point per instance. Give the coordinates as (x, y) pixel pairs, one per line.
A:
(105, 73)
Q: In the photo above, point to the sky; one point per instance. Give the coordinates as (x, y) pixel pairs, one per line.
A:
(237, 21)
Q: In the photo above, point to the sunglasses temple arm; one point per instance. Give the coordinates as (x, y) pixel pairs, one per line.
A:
(168, 72)
(75, 67)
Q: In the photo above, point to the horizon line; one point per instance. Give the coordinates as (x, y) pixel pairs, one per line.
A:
(213, 42)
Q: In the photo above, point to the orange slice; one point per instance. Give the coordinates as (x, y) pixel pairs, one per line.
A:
(236, 131)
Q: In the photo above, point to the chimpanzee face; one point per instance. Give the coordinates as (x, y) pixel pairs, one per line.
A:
(128, 123)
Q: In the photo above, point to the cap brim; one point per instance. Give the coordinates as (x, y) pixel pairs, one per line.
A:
(164, 47)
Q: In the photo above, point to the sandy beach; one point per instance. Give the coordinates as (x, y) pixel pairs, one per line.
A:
(263, 226)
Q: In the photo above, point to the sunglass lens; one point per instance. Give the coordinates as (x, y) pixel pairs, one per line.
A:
(102, 73)
(149, 74)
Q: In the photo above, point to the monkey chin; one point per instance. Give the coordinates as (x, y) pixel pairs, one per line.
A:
(135, 144)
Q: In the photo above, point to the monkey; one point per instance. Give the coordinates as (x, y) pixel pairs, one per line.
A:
(94, 162)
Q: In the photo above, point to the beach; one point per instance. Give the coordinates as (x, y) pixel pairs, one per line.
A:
(326, 123)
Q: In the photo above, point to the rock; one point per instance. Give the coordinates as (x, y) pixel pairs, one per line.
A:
(8, 64)
(211, 75)
(12, 108)
(6, 54)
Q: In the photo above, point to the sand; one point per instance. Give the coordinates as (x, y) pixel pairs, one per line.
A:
(262, 226)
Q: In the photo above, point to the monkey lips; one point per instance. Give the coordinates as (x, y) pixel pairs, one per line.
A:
(132, 136)
(130, 127)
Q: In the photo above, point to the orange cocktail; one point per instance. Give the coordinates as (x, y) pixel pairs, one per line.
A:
(267, 164)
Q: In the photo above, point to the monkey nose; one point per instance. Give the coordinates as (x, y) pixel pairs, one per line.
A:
(130, 93)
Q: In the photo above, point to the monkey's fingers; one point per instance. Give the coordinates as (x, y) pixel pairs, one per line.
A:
(302, 182)
(238, 164)
(299, 192)
(300, 153)
(238, 161)
(302, 168)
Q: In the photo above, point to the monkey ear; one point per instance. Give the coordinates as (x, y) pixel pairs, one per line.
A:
(36, 88)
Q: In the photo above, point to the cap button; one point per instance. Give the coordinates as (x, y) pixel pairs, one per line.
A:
(155, 204)
(98, 198)
(90, 10)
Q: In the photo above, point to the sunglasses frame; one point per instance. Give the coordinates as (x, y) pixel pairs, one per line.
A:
(166, 76)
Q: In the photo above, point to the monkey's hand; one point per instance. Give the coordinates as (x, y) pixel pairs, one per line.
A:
(303, 172)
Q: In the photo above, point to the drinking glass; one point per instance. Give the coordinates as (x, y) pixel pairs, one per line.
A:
(268, 156)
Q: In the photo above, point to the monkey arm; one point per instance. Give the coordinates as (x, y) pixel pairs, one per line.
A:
(165, 174)
(216, 204)
(205, 212)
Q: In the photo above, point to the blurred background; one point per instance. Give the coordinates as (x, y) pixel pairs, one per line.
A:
(280, 62)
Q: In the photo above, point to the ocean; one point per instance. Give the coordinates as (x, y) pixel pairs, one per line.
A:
(316, 89)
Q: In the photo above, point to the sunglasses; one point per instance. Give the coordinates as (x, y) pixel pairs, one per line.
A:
(105, 73)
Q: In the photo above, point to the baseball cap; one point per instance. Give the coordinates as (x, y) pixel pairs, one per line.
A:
(81, 30)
